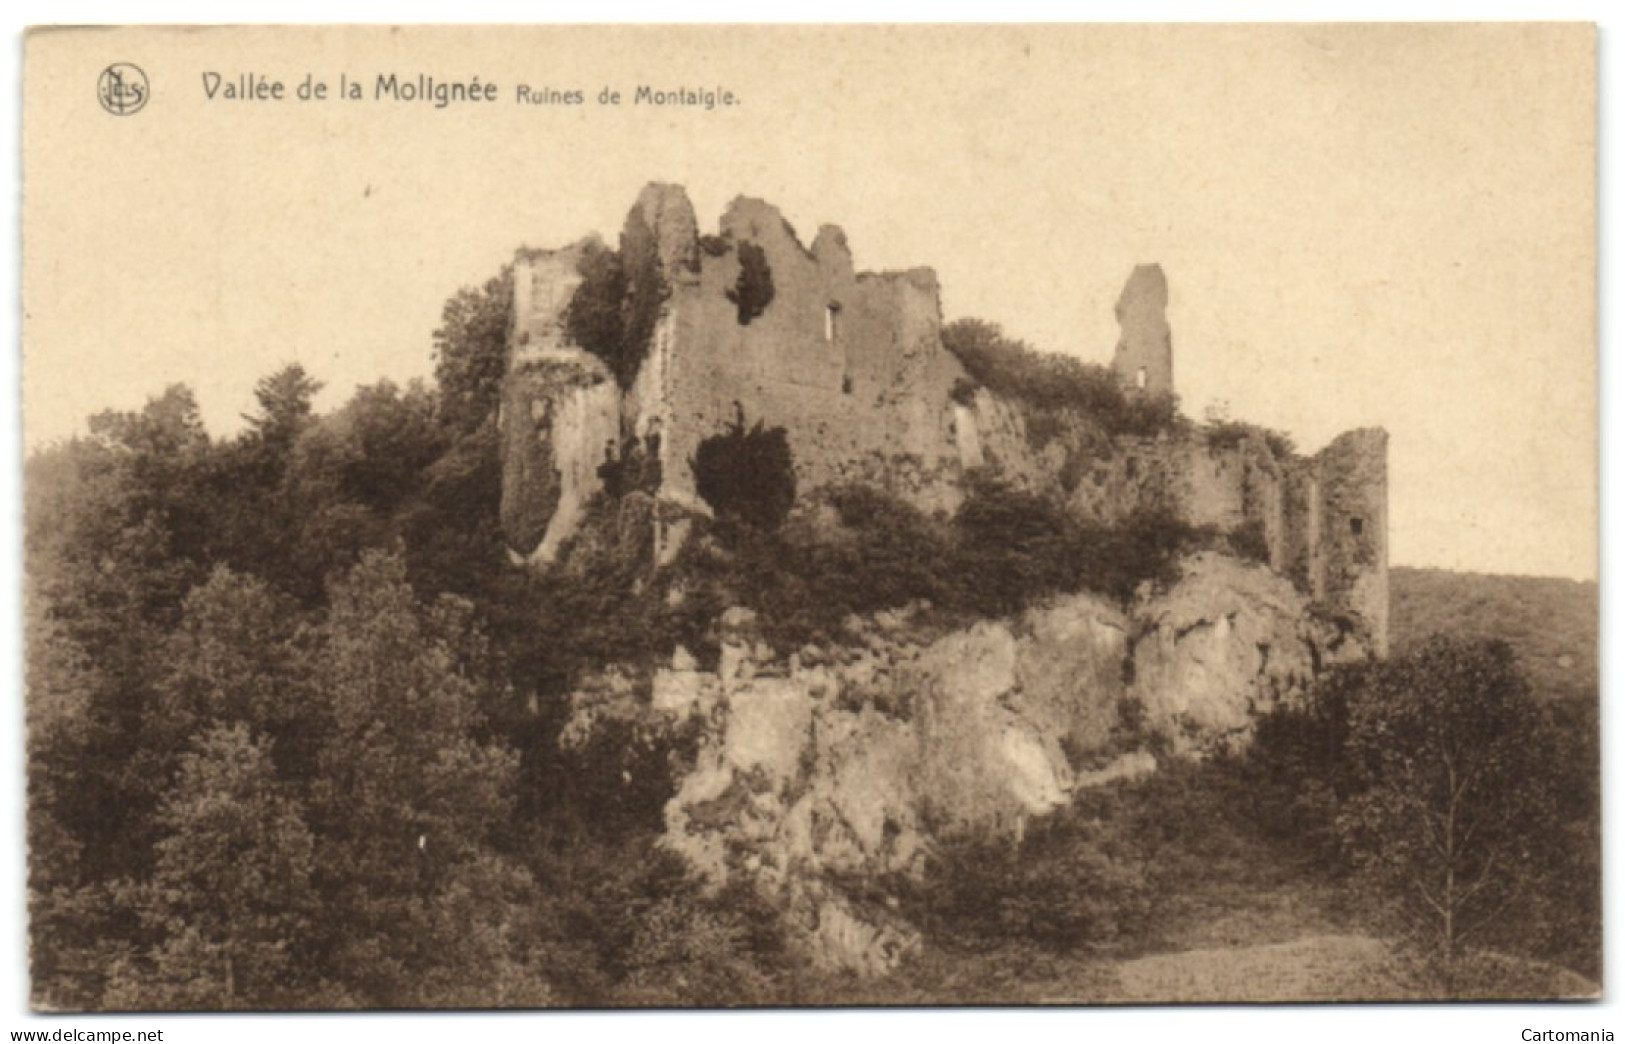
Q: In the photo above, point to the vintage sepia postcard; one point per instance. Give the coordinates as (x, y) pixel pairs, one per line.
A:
(639, 516)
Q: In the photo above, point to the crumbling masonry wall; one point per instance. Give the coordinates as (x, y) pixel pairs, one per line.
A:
(1350, 570)
(1322, 518)
(850, 365)
(559, 408)
(751, 323)
(1144, 359)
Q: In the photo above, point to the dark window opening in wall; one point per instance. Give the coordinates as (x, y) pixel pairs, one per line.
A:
(1139, 379)
(846, 385)
(832, 321)
(1356, 526)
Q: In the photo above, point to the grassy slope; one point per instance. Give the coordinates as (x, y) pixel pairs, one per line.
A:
(1550, 623)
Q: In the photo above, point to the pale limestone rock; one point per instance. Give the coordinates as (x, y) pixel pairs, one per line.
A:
(870, 944)
(861, 811)
(983, 767)
(850, 364)
(854, 766)
(962, 734)
(682, 692)
(1133, 765)
(1230, 641)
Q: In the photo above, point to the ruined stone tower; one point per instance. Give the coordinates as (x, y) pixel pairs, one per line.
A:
(1144, 360)
(1350, 566)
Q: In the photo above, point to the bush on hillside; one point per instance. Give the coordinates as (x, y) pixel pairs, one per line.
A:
(1228, 434)
(1068, 885)
(1051, 385)
(747, 475)
(1003, 550)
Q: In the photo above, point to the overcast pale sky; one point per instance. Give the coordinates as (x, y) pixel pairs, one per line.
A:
(1376, 225)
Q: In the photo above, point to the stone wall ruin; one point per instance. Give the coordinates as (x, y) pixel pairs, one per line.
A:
(1144, 359)
(675, 337)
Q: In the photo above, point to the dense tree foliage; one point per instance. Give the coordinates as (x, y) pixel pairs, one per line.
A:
(753, 291)
(1453, 797)
(294, 719)
(470, 349)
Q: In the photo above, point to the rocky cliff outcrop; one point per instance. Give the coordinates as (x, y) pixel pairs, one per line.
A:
(1229, 642)
(852, 761)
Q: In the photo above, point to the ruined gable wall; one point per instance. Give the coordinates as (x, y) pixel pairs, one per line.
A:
(851, 366)
(1264, 498)
(1322, 520)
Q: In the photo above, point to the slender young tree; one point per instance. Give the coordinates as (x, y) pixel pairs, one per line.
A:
(1454, 763)
(470, 350)
(284, 400)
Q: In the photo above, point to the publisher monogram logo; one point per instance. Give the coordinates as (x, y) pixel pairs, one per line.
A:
(122, 89)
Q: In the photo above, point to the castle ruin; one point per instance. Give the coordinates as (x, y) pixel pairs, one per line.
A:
(633, 357)
(1144, 360)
